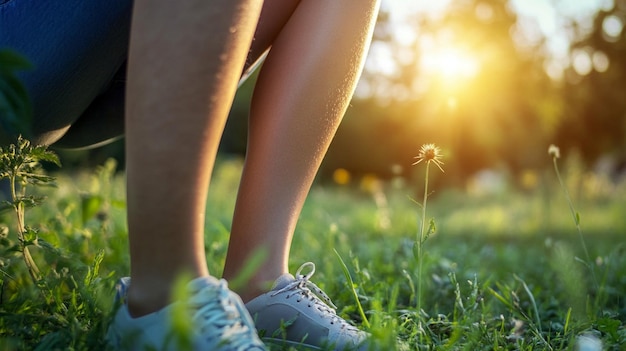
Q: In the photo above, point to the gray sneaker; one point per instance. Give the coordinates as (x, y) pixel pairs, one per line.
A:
(297, 313)
(219, 319)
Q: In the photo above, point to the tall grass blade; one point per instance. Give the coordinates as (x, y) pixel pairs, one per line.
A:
(346, 272)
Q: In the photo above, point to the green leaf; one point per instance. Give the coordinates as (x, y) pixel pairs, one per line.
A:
(92, 273)
(30, 236)
(432, 228)
(90, 205)
(38, 179)
(41, 153)
(29, 201)
(609, 326)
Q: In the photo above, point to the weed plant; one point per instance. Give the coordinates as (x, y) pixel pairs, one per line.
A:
(499, 274)
(429, 153)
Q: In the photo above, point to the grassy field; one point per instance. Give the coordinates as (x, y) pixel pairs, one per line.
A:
(505, 270)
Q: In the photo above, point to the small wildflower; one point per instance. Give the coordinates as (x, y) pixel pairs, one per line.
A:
(430, 153)
(554, 151)
(341, 176)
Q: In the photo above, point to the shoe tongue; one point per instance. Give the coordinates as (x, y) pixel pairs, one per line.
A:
(202, 282)
(283, 281)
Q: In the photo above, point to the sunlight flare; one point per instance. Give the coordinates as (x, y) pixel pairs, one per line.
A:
(450, 64)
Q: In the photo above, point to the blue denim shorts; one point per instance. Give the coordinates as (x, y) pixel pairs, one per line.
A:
(78, 50)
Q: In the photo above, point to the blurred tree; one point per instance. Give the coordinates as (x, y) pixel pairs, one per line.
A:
(463, 80)
(595, 89)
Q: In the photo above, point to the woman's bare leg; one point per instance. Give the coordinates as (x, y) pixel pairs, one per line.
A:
(185, 61)
(301, 95)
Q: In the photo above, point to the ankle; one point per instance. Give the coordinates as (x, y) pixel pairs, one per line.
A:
(141, 302)
(255, 288)
(259, 283)
(250, 294)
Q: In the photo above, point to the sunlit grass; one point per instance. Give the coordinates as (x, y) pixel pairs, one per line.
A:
(500, 272)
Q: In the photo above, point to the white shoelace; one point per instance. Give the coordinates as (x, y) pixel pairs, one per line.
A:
(219, 317)
(222, 319)
(303, 286)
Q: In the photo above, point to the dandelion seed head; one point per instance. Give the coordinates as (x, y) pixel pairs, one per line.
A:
(430, 153)
(554, 151)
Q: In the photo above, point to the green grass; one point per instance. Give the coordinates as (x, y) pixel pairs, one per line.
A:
(504, 271)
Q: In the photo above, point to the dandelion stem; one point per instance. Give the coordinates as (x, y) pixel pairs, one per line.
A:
(420, 242)
(572, 210)
(428, 153)
(576, 217)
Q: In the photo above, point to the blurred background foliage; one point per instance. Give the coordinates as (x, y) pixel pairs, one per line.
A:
(482, 81)
(492, 82)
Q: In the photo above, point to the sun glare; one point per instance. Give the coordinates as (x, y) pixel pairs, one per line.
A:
(450, 64)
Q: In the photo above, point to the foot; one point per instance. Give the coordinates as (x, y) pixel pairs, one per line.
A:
(216, 317)
(298, 313)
